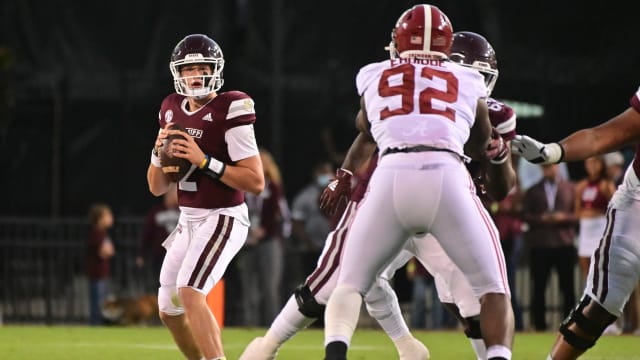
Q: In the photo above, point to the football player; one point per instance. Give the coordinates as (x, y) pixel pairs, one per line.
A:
(426, 114)
(220, 144)
(497, 178)
(614, 269)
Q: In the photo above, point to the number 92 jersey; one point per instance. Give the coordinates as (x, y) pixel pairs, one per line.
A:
(420, 102)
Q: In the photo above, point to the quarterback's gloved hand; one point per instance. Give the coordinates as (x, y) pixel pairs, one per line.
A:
(537, 152)
(336, 195)
(497, 150)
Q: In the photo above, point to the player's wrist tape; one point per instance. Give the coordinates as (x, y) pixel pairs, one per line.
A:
(555, 153)
(213, 167)
(342, 171)
(155, 159)
(501, 158)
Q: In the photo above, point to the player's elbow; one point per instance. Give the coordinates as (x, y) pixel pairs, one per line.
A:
(257, 186)
(253, 184)
(154, 191)
(157, 189)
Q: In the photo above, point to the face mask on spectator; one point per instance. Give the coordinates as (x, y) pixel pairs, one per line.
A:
(323, 179)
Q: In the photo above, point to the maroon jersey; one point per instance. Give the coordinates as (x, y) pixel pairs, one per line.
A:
(96, 266)
(503, 118)
(593, 198)
(208, 126)
(635, 103)
(269, 210)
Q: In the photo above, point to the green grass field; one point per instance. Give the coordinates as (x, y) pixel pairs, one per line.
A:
(79, 342)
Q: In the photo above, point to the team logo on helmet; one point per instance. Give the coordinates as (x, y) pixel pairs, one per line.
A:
(422, 31)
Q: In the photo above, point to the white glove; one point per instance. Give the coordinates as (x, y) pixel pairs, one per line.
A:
(535, 151)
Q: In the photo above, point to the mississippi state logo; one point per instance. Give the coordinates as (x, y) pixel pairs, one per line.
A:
(168, 116)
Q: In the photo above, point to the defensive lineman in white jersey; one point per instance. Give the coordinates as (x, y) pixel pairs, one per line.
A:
(424, 113)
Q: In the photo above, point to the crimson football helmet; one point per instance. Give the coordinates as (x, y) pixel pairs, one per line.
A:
(197, 49)
(474, 51)
(422, 31)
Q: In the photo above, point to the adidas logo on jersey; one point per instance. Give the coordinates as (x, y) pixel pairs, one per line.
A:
(207, 117)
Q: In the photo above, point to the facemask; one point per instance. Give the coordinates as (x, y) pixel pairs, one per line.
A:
(323, 180)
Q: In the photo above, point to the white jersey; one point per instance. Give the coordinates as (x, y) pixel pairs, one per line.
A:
(614, 271)
(420, 102)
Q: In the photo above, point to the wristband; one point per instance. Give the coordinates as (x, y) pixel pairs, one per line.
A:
(555, 153)
(499, 161)
(343, 170)
(204, 162)
(501, 158)
(155, 160)
(214, 167)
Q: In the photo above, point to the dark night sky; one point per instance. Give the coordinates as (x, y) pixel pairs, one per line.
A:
(93, 77)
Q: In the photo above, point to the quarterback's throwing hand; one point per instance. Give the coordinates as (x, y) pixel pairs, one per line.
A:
(336, 195)
(535, 151)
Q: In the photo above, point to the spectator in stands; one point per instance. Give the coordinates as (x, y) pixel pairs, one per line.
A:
(261, 259)
(592, 197)
(548, 208)
(158, 224)
(615, 166)
(309, 225)
(100, 250)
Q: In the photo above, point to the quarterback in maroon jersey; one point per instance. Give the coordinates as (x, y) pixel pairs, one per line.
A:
(221, 146)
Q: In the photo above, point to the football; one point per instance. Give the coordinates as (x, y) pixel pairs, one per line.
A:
(174, 168)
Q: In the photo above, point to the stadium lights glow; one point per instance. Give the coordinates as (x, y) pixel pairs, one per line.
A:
(524, 109)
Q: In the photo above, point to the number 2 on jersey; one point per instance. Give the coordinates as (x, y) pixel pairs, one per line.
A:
(407, 89)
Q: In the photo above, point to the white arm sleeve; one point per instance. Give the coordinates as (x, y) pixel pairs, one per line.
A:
(241, 142)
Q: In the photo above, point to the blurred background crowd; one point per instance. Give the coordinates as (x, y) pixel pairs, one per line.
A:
(80, 87)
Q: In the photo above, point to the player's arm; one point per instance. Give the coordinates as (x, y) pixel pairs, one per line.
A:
(363, 146)
(500, 177)
(480, 134)
(621, 130)
(156, 179)
(245, 174)
(613, 134)
(336, 195)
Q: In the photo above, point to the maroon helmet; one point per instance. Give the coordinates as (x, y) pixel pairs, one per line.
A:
(474, 51)
(422, 31)
(197, 49)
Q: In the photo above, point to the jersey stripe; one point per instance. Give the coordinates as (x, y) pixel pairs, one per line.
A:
(211, 252)
(330, 260)
(600, 286)
(507, 126)
(495, 237)
(426, 41)
(240, 107)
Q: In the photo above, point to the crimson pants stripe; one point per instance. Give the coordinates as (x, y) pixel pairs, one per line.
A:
(602, 256)
(211, 252)
(495, 238)
(331, 259)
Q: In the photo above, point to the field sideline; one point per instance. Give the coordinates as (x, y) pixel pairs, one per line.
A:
(107, 343)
